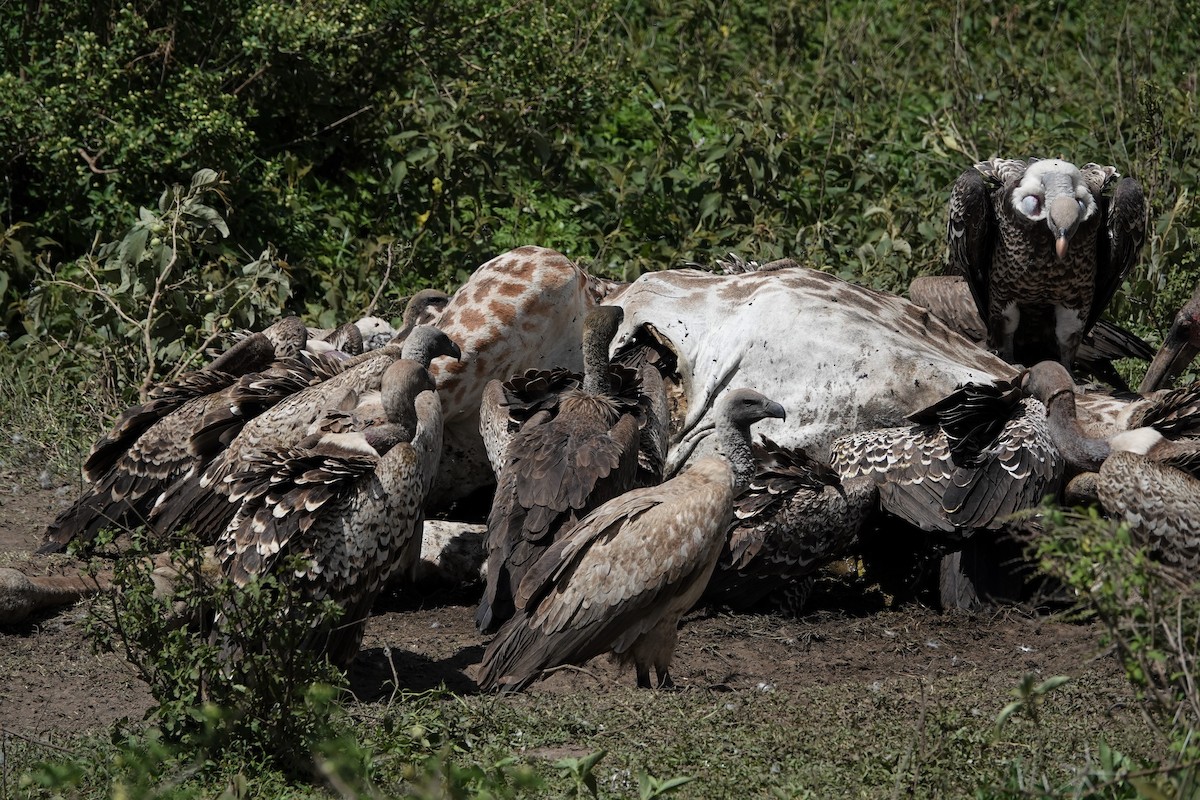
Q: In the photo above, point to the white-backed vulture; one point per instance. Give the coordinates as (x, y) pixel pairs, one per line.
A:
(199, 500)
(578, 449)
(351, 506)
(147, 447)
(622, 578)
(969, 461)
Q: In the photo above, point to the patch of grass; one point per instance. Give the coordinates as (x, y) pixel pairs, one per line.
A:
(909, 736)
(47, 423)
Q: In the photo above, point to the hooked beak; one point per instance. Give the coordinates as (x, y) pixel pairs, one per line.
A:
(775, 410)
(1061, 241)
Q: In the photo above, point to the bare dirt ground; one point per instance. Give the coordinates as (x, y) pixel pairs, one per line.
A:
(52, 684)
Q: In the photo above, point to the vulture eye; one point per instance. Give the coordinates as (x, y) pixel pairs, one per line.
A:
(1031, 204)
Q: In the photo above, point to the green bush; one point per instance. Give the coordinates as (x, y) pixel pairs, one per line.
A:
(153, 301)
(406, 141)
(1151, 613)
(255, 688)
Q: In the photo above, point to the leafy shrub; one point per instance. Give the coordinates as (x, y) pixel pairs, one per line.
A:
(1151, 613)
(153, 301)
(633, 137)
(275, 700)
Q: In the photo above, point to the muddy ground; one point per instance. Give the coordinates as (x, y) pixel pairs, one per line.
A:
(53, 684)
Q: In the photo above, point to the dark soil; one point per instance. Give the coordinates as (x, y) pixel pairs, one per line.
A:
(51, 682)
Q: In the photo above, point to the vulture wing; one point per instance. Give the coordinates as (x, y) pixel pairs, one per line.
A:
(1117, 252)
(971, 235)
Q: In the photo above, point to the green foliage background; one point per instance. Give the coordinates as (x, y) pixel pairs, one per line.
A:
(411, 140)
(169, 170)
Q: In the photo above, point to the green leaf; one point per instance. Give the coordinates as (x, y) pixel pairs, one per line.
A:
(203, 179)
(1051, 683)
(710, 204)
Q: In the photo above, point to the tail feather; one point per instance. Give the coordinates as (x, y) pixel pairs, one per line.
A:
(510, 662)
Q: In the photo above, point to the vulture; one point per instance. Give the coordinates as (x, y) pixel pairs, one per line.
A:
(1178, 349)
(199, 500)
(967, 462)
(372, 333)
(351, 505)
(621, 579)
(575, 446)
(795, 516)
(1146, 474)
(961, 466)
(147, 448)
(948, 297)
(1043, 249)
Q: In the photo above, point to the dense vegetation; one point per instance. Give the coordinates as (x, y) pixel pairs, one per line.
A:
(175, 169)
(394, 144)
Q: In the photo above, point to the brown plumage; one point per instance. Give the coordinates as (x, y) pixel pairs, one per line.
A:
(968, 462)
(346, 338)
(1145, 475)
(199, 501)
(350, 506)
(1179, 348)
(575, 446)
(948, 297)
(795, 516)
(1043, 250)
(623, 577)
(423, 308)
(147, 448)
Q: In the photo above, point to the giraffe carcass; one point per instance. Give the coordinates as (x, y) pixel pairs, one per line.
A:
(839, 357)
(521, 310)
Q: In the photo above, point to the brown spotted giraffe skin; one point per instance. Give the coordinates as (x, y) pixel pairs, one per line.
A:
(521, 310)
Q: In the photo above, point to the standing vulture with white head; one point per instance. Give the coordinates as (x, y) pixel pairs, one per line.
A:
(1043, 249)
(624, 576)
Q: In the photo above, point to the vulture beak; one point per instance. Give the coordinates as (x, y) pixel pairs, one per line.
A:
(1061, 240)
(1062, 215)
(775, 410)
(1176, 354)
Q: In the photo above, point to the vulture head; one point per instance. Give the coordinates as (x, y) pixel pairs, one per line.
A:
(1057, 192)
(399, 387)
(744, 407)
(424, 307)
(426, 343)
(375, 332)
(737, 410)
(1051, 383)
(1047, 381)
(1178, 349)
